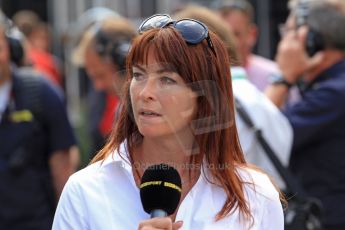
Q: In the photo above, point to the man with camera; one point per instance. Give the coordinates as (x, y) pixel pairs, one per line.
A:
(311, 55)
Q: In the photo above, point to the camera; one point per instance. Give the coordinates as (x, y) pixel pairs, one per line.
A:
(314, 40)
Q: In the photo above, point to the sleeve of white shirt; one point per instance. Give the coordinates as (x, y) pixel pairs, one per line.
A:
(70, 212)
(273, 217)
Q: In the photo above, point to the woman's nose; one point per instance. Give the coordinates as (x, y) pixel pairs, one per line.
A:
(149, 90)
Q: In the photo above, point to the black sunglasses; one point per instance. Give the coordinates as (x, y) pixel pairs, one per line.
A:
(191, 30)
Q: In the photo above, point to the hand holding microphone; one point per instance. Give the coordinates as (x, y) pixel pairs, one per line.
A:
(160, 193)
(160, 223)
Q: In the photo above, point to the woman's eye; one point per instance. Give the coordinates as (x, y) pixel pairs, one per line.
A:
(167, 80)
(138, 76)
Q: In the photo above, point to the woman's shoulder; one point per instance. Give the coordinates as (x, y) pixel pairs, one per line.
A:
(260, 195)
(84, 177)
(257, 183)
(87, 171)
(263, 197)
(113, 165)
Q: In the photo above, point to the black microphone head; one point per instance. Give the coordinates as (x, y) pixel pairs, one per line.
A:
(160, 188)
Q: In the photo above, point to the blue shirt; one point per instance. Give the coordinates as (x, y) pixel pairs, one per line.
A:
(318, 154)
(34, 126)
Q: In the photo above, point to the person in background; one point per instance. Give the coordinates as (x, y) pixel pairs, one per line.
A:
(102, 51)
(178, 110)
(239, 15)
(275, 127)
(313, 51)
(38, 45)
(37, 145)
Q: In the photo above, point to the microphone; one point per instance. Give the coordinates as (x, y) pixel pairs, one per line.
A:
(160, 190)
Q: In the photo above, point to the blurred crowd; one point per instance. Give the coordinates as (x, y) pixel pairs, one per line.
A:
(295, 101)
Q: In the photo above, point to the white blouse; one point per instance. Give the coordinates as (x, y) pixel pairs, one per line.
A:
(275, 127)
(105, 196)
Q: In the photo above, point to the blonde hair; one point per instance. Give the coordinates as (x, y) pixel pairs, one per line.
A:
(215, 24)
(119, 27)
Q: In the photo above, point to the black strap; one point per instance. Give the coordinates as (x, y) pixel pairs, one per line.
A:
(291, 183)
(29, 89)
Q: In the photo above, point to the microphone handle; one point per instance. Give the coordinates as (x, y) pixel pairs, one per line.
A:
(158, 213)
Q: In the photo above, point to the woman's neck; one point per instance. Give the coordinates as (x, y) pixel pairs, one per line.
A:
(176, 152)
(171, 151)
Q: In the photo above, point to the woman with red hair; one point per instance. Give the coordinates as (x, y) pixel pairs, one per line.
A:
(178, 110)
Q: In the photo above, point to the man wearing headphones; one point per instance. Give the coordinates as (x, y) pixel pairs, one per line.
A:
(102, 51)
(313, 52)
(36, 145)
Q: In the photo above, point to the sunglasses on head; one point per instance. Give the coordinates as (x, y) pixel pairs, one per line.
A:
(191, 30)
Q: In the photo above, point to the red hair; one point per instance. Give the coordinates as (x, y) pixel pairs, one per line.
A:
(214, 128)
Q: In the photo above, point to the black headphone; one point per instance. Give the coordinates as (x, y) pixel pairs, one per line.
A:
(15, 43)
(112, 46)
(16, 50)
(314, 40)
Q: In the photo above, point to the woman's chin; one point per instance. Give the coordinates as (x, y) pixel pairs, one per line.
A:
(155, 131)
